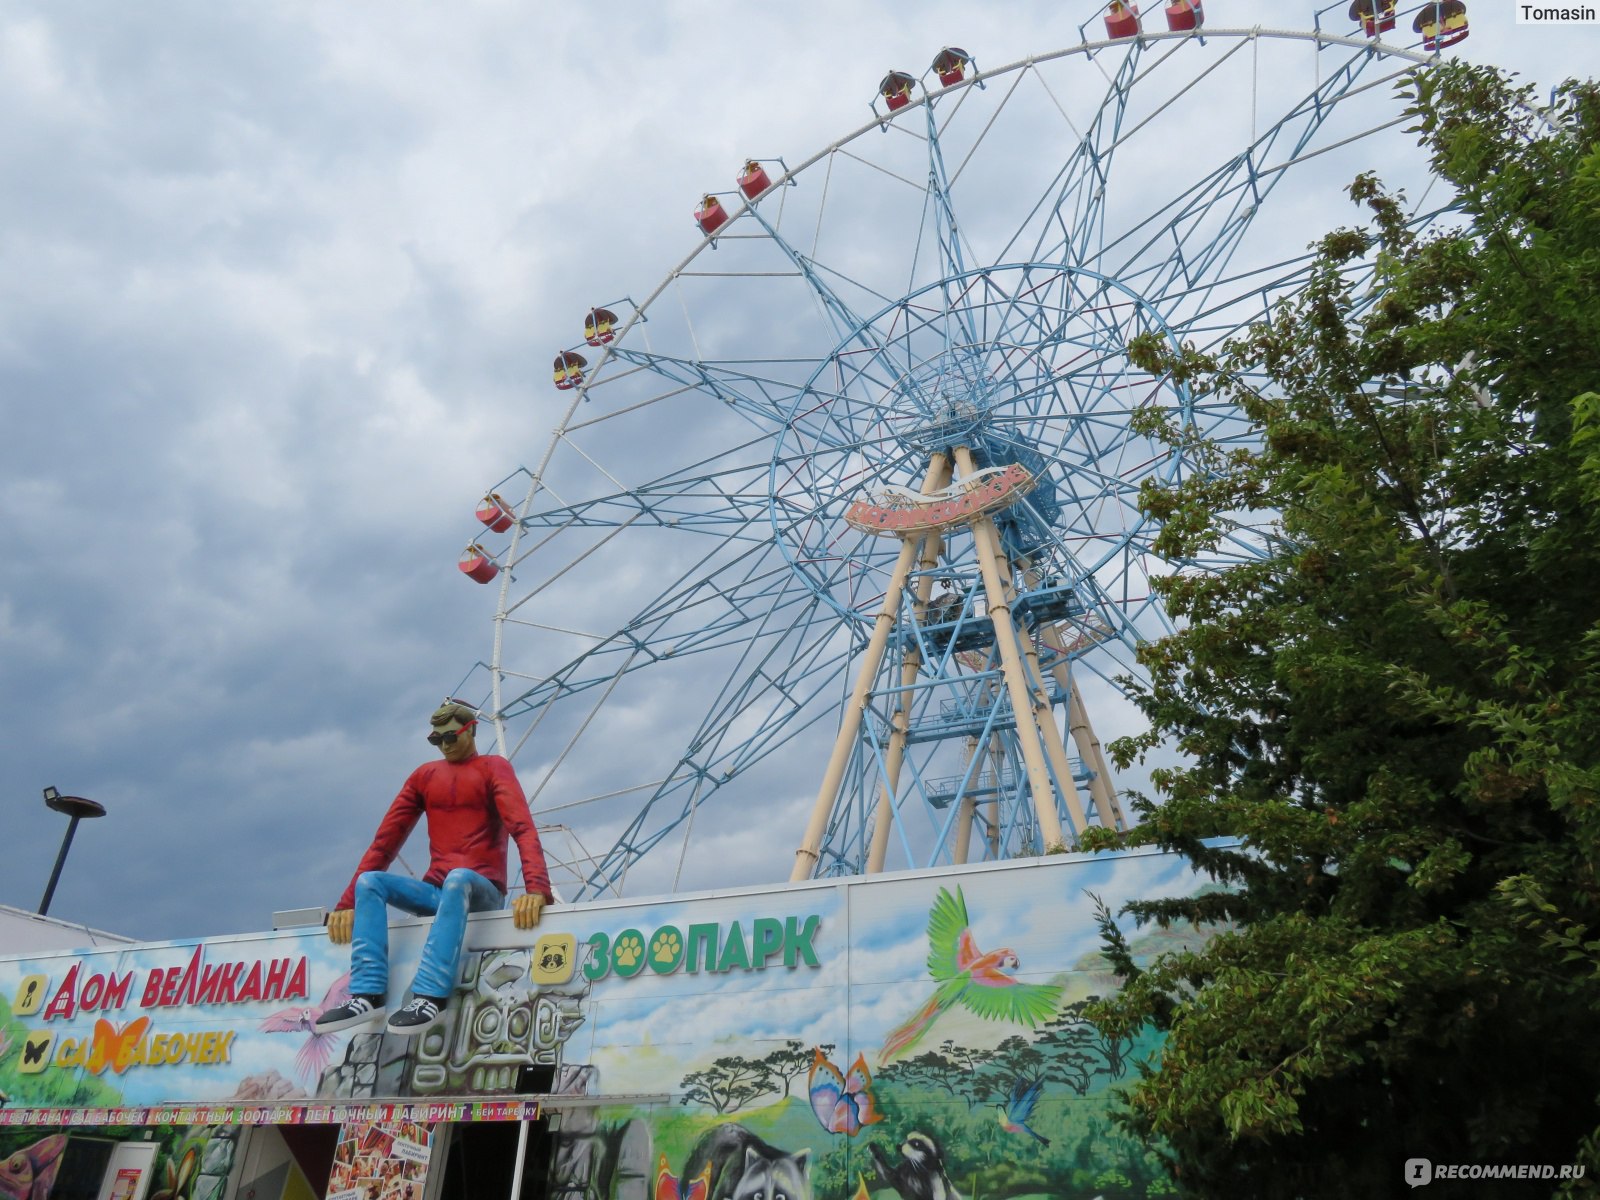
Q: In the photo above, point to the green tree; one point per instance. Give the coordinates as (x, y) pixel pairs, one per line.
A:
(1396, 709)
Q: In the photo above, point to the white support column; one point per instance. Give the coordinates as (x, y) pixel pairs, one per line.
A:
(910, 667)
(1100, 789)
(986, 541)
(1101, 793)
(809, 851)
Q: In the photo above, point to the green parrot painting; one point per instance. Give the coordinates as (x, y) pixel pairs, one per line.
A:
(982, 983)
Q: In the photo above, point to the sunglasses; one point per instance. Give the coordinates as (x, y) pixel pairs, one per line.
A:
(449, 739)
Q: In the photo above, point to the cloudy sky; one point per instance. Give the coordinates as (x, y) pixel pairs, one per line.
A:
(280, 285)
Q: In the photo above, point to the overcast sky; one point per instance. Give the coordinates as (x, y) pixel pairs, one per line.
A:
(278, 290)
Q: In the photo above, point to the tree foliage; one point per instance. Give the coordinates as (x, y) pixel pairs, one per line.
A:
(1395, 710)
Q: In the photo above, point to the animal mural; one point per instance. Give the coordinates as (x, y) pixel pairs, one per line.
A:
(842, 1103)
(967, 976)
(740, 1166)
(317, 1050)
(669, 1187)
(920, 1173)
(982, 1078)
(30, 1173)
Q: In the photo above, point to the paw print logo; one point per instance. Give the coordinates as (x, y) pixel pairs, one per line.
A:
(666, 950)
(628, 952)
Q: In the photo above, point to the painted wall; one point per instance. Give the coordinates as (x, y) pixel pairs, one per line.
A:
(912, 1035)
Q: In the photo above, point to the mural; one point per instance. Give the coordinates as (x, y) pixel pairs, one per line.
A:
(192, 1163)
(28, 1173)
(917, 1035)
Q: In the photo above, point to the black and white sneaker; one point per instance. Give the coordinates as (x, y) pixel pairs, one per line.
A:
(358, 1010)
(422, 1013)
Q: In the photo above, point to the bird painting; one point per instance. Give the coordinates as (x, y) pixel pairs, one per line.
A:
(668, 1187)
(982, 983)
(1015, 1112)
(842, 1103)
(315, 1054)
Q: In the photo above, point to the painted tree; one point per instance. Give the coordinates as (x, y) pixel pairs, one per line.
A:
(791, 1060)
(950, 1068)
(1077, 1052)
(1396, 710)
(727, 1085)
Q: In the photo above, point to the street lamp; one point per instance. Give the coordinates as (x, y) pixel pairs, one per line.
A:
(77, 808)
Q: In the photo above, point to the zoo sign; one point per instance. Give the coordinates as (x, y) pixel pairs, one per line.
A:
(715, 949)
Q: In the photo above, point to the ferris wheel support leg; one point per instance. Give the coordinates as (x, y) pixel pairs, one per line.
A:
(969, 809)
(1007, 637)
(1101, 793)
(809, 852)
(1105, 797)
(1044, 714)
(997, 764)
(968, 816)
(910, 666)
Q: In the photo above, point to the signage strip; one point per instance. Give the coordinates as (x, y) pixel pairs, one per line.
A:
(278, 1114)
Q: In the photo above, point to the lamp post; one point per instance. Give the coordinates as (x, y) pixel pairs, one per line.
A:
(76, 807)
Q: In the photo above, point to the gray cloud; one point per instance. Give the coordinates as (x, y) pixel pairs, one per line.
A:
(280, 288)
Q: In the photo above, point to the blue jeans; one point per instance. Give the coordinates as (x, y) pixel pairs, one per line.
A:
(463, 891)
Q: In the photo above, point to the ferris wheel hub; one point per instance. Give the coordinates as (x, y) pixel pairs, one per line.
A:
(944, 402)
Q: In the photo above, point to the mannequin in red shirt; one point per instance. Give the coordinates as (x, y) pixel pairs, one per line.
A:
(473, 802)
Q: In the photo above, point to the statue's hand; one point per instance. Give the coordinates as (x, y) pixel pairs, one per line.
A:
(341, 923)
(527, 909)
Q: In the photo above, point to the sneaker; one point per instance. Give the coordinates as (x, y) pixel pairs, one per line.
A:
(358, 1010)
(422, 1013)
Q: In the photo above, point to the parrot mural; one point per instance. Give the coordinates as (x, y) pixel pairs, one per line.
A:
(981, 982)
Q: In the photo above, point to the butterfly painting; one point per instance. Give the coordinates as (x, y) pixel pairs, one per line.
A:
(115, 1047)
(843, 1103)
(668, 1187)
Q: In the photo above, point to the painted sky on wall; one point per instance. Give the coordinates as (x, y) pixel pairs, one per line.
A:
(864, 971)
(280, 289)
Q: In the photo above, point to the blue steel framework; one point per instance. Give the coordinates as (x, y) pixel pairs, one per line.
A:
(956, 278)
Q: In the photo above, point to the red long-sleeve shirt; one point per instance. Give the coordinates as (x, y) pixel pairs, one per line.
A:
(471, 805)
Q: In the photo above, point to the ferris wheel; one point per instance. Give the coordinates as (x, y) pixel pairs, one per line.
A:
(838, 540)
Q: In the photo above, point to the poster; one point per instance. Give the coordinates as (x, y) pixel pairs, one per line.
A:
(126, 1184)
(381, 1160)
